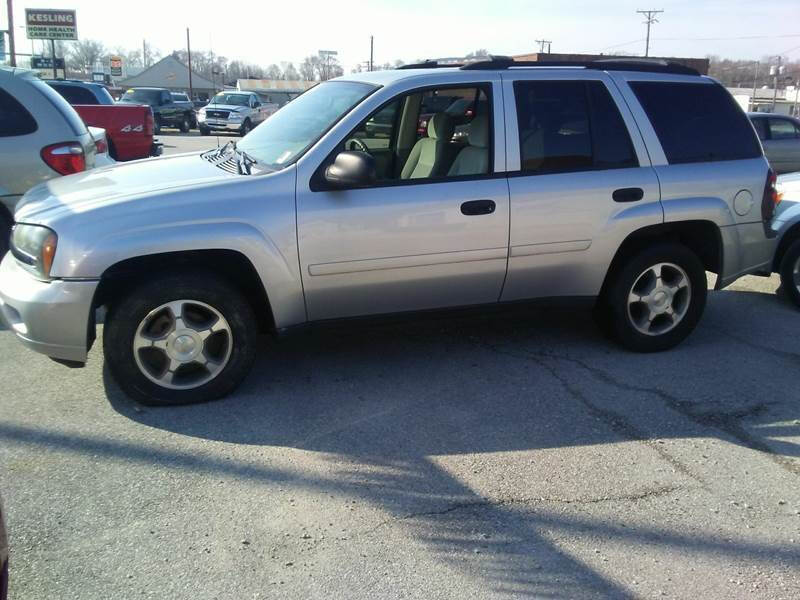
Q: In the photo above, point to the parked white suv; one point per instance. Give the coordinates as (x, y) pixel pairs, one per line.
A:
(617, 184)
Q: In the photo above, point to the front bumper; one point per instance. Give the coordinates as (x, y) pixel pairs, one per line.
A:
(220, 124)
(51, 318)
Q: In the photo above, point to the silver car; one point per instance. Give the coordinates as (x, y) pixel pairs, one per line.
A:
(609, 183)
(41, 137)
(780, 136)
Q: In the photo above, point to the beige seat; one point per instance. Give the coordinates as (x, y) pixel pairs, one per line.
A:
(428, 157)
(474, 158)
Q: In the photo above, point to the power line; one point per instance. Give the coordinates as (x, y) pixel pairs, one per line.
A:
(650, 19)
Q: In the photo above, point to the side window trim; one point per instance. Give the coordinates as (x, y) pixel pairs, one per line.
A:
(317, 183)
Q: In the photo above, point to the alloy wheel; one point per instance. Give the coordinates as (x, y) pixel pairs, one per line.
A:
(659, 299)
(182, 344)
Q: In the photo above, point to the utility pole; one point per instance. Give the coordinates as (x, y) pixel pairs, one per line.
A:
(753, 99)
(371, 50)
(776, 71)
(13, 56)
(650, 18)
(542, 44)
(144, 54)
(53, 58)
(189, 56)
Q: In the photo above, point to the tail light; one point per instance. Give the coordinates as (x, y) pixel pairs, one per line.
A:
(101, 145)
(65, 159)
(771, 197)
(149, 122)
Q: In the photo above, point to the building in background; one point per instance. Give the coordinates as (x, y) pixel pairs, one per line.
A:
(275, 91)
(172, 74)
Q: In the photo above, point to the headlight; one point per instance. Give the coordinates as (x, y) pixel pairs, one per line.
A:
(201, 114)
(235, 116)
(34, 247)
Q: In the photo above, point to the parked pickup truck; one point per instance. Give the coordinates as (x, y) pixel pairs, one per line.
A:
(237, 112)
(166, 112)
(129, 128)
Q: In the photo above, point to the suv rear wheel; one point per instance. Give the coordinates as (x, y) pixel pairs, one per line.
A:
(185, 124)
(180, 340)
(790, 272)
(656, 299)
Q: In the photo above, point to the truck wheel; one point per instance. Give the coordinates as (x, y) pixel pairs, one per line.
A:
(790, 272)
(204, 130)
(157, 125)
(180, 339)
(185, 124)
(656, 298)
(246, 128)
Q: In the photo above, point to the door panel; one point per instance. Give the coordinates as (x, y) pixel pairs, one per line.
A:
(402, 247)
(566, 228)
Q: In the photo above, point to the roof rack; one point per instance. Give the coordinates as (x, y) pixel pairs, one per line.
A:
(429, 64)
(606, 64)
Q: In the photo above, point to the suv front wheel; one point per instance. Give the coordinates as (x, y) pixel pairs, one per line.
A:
(180, 340)
(656, 298)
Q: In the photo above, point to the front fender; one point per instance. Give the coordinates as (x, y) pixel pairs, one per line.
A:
(277, 271)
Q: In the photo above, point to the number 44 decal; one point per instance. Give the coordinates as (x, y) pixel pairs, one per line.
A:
(129, 128)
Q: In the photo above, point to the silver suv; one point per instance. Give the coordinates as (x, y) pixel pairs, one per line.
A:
(41, 137)
(615, 183)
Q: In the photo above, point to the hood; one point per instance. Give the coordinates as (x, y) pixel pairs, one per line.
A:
(106, 186)
(230, 107)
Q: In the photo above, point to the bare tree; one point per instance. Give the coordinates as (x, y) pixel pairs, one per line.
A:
(308, 68)
(83, 55)
(480, 53)
(290, 72)
(274, 72)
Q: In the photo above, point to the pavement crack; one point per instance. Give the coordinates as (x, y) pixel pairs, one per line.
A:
(726, 422)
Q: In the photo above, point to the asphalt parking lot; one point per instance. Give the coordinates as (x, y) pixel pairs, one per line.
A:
(505, 456)
(176, 142)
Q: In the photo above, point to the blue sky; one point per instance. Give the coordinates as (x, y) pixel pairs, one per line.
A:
(287, 31)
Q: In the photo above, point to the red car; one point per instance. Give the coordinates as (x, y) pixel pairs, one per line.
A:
(129, 127)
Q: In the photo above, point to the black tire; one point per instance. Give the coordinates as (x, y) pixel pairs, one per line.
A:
(112, 150)
(204, 130)
(246, 128)
(185, 125)
(614, 304)
(790, 262)
(5, 231)
(157, 124)
(125, 316)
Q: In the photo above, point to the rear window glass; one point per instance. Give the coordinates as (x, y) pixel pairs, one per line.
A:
(143, 96)
(570, 126)
(70, 116)
(697, 122)
(782, 129)
(14, 119)
(75, 94)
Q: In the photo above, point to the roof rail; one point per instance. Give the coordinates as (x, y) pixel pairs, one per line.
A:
(429, 64)
(605, 64)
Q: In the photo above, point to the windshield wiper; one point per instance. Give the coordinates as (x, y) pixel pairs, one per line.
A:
(244, 162)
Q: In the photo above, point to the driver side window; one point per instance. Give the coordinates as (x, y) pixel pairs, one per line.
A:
(430, 134)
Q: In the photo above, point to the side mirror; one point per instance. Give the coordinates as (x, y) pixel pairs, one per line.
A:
(351, 169)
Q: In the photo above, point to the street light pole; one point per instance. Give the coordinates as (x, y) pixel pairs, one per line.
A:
(189, 56)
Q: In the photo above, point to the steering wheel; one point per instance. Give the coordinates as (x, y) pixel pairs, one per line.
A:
(357, 144)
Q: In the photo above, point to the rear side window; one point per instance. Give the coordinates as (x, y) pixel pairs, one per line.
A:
(761, 128)
(75, 94)
(782, 129)
(14, 119)
(697, 122)
(570, 126)
(62, 106)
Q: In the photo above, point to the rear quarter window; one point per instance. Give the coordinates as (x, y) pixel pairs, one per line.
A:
(697, 122)
(14, 118)
(72, 118)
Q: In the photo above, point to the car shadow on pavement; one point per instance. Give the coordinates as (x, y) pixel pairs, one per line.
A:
(389, 403)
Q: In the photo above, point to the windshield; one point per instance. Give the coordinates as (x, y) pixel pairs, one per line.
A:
(144, 96)
(232, 99)
(288, 133)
